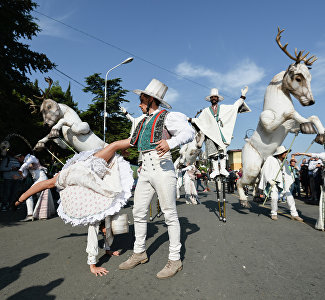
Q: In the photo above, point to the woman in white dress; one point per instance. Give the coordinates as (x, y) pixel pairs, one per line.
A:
(189, 184)
(45, 206)
(93, 185)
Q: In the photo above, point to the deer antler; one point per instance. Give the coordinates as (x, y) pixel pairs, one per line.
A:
(50, 82)
(32, 105)
(299, 56)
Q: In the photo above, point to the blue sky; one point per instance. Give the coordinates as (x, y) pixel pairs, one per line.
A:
(223, 44)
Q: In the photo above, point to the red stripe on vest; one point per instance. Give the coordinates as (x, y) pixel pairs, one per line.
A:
(139, 132)
(153, 125)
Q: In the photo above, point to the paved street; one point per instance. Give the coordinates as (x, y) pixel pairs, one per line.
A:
(249, 257)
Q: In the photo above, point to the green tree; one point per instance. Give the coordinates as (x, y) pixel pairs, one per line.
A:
(17, 61)
(56, 93)
(118, 126)
(16, 58)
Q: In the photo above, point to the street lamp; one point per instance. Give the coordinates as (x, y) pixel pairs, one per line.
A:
(128, 60)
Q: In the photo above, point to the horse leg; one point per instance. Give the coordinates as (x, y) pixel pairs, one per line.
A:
(252, 163)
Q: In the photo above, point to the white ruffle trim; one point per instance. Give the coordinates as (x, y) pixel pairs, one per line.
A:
(82, 156)
(126, 178)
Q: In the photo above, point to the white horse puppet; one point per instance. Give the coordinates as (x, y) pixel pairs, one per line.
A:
(279, 117)
(62, 117)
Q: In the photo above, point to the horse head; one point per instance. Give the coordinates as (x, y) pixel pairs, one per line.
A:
(51, 112)
(296, 79)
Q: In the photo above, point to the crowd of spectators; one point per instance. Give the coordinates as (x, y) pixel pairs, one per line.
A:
(308, 176)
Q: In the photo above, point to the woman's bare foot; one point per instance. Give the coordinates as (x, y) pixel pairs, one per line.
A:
(112, 253)
(98, 270)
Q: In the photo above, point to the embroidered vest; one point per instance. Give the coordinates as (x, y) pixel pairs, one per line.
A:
(147, 134)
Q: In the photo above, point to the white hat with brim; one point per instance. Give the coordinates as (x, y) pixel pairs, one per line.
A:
(214, 92)
(280, 150)
(157, 90)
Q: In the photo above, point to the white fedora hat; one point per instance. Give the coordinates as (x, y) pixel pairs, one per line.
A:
(157, 90)
(280, 150)
(214, 92)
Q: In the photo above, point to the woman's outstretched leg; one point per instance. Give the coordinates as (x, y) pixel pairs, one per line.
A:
(36, 188)
(108, 152)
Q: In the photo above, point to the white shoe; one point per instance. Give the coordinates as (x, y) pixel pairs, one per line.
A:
(28, 218)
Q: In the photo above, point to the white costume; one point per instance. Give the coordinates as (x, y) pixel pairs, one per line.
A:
(217, 122)
(283, 181)
(158, 173)
(45, 206)
(321, 217)
(179, 179)
(92, 190)
(189, 184)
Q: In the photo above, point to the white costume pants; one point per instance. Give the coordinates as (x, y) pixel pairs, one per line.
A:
(190, 190)
(290, 201)
(92, 240)
(215, 167)
(40, 176)
(157, 175)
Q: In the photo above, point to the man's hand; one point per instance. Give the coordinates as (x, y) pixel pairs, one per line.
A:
(162, 147)
(244, 91)
(123, 110)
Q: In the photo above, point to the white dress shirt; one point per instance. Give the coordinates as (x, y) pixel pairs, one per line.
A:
(178, 126)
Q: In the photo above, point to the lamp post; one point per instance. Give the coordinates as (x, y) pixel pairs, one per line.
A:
(128, 60)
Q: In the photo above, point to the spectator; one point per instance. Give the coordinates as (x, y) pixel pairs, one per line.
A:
(295, 187)
(9, 167)
(231, 181)
(199, 180)
(313, 168)
(304, 180)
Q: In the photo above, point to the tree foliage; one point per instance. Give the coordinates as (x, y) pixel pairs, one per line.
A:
(118, 126)
(17, 61)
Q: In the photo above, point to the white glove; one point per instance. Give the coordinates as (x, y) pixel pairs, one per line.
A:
(244, 91)
(123, 110)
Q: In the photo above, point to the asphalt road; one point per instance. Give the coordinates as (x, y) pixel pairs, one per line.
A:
(248, 257)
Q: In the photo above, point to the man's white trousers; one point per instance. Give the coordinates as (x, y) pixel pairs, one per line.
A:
(290, 201)
(157, 175)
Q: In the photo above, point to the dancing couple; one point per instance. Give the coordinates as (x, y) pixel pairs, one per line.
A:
(96, 184)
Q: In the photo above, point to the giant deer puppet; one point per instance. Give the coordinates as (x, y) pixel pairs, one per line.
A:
(62, 117)
(279, 116)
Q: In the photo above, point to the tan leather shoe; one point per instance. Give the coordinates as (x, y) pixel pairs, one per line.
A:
(274, 217)
(171, 268)
(134, 260)
(297, 218)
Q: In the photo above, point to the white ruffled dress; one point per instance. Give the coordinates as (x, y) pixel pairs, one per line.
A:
(92, 189)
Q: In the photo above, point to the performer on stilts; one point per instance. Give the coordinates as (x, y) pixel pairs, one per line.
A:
(94, 185)
(320, 224)
(276, 178)
(158, 133)
(217, 122)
